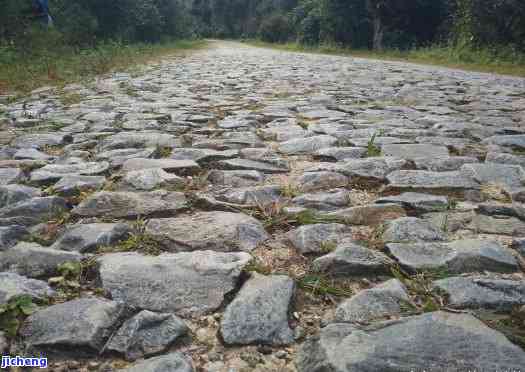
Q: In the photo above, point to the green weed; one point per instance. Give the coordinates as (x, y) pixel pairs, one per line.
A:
(13, 313)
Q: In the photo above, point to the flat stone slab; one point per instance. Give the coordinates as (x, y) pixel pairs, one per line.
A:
(13, 285)
(382, 301)
(255, 196)
(217, 231)
(119, 156)
(324, 180)
(86, 238)
(11, 175)
(413, 151)
(453, 342)
(372, 214)
(406, 180)
(318, 238)
(74, 185)
(81, 323)
(41, 140)
(169, 165)
(153, 178)
(351, 260)
(326, 201)
(54, 172)
(479, 292)
(245, 164)
(510, 177)
(11, 235)
(126, 140)
(33, 211)
(34, 261)
(259, 312)
(12, 194)
(460, 256)
(187, 283)
(235, 178)
(308, 145)
(418, 202)
(146, 333)
(131, 204)
(174, 362)
(411, 229)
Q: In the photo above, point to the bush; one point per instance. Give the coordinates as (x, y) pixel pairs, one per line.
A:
(275, 29)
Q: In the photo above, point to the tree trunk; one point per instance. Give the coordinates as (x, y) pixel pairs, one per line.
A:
(379, 31)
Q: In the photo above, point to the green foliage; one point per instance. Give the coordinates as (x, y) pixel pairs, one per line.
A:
(12, 314)
(372, 149)
(275, 29)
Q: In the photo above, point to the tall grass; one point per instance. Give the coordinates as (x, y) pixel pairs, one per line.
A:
(502, 60)
(45, 60)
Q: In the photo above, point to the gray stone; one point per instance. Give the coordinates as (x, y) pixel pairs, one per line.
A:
(245, 164)
(259, 312)
(187, 283)
(516, 142)
(118, 157)
(372, 214)
(453, 342)
(420, 203)
(146, 333)
(41, 140)
(460, 256)
(152, 178)
(81, 323)
(217, 231)
(182, 167)
(405, 180)
(443, 164)
(203, 156)
(256, 196)
(351, 260)
(235, 178)
(413, 151)
(324, 201)
(131, 205)
(264, 155)
(11, 194)
(503, 158)
(519, 245)
(510, 177)
(500, 225)
(31, 154)
(13, 285)
(74, 185)
(86, 238)
(478, 292)
(307, 145)
(371, 169)
(54, 172)
(318, 238)
(10, 235)
(340, 153)
(316, 181)
(11, 175)
(127, 140)
(382, 301)
(411, 229)
(174, 362)
(34, 261)
(33, 211)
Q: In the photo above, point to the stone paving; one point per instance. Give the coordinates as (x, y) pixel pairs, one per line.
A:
(242, 209)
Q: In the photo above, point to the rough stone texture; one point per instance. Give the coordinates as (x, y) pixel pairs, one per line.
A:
(259, 312)
(369, 214)
(145, 334)
(318, 238)
(86, 322)
(12, 194)
(11, 235)
(418, 180)
(453, 342)
(183, 283)
(54, 172)
(130, 205)
(418, 202)
(410, 151)
(218, 231)
(33, 211)
(460, 256)
(315, 181)
(174, 362)
(478, 292)
(34, 261)
(306, 145)
(410, 229)
(352, 260)
(152, 178)
(10, 175)
(13, 285)
(86, 238)
(74, 185)
(382, 301)
(169, 165)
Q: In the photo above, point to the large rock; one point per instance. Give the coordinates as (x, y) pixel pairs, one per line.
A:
(235, 178)
(118, 157)
(169, 165)
(41, 140)
(352, 260)
(174, 362)
(325, 200)
(74, 185)
(13, 285)
(411, 229)
(145, 334)
(127, 140)
(82, 323)
(245, 164)
(259, 312)
(33, 211)
(187, 283)
(12, 194)
(460, 256)
(131, 204)
(86, 238)
(373, 214)
(382, 301)
(34, 261)
(255, 196)
(308, 145)
(510, 177)
(478, 292)
(450, 342)
(455, 181)
(11, 235)
(413, 151)
(419, 203)
(217, 231)
(515, 142)
(316, 181)
(11, 175)
(318, 237)
(54, 172)
(153, 178)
